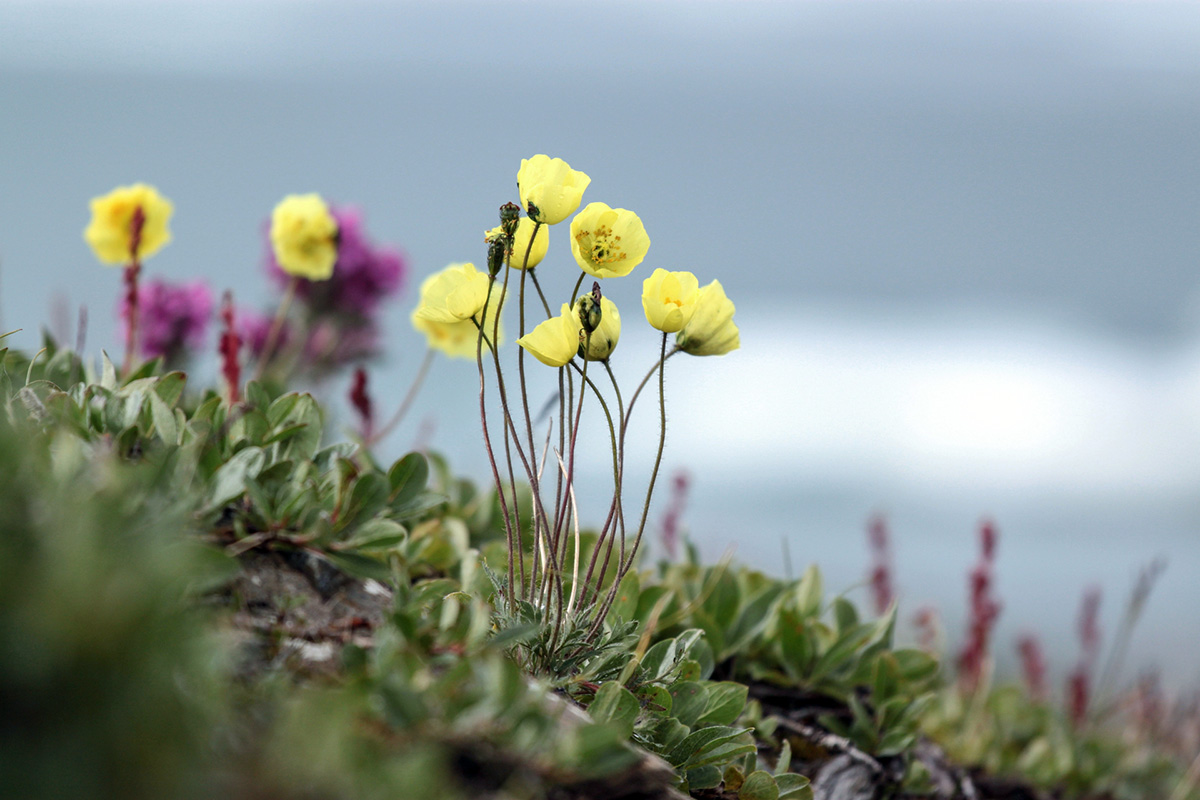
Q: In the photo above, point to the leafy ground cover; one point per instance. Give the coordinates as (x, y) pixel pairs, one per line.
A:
(199, 599)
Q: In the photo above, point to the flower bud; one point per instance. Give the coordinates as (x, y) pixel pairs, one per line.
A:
(589, 312)
(510, 213)
(497, 251)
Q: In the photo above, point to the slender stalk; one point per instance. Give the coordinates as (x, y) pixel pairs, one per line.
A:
(487, 439)
(269, 346)
(508, 427)
(413, 388)
(560, 519)
(575, 291)
(133, 310)
(575, 519)
(613, 507)
(533, 277)
(662, 440)
(616, 511)
(625, 566)
(555, 582)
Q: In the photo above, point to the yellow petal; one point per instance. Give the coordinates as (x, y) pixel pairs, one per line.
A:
(552, 186)
(608, 242)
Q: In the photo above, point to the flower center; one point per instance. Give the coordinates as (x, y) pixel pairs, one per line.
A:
(603, 246)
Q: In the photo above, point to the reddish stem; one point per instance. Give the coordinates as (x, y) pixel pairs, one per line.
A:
(132, 270)
(228, 348)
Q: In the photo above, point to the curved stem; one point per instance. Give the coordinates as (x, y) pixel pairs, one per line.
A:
(662, 439)
(413, 388)
(533, 277)
(575, 291)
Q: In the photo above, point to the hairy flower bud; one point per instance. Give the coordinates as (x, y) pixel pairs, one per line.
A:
(510, 213)
(589, 313)
(497, 252)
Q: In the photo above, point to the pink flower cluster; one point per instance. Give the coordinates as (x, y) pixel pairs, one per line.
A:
(172, 318)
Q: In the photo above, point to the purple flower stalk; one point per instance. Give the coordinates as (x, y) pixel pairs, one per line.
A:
(172, 318)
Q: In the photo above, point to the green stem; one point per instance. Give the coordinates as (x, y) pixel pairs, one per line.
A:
(269, 346)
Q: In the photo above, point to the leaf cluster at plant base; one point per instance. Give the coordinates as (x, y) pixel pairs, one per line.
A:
(200, 600)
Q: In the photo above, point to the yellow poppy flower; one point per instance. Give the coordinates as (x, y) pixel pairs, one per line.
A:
(458, 338)
(304, 237)
(608, 242)
(455, 294)
(541, 243)
(552, 186)
(711, 330)
(555, 341)
(669, 299)
(110, 232)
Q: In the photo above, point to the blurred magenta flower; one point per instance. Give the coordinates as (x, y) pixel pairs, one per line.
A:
(363, 276)
(173, 318)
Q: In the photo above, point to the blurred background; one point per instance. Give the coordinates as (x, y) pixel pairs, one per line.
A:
(963, 240)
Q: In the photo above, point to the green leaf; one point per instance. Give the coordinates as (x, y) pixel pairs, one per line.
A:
(734, 778)
(169, 387)
(688, 701)
(615, 705)
(724, 753)
(784, 762)
(281, 408)
(759, 785)
(796, 645)
(360, 566)
(793, 787)
(625, 605)
(407, 478)
(705, 740)
(229, 482)
(886, 678)
(750, 622)
(706, 777)
(654, 698)
(376, 534)
(916, 666)
(726, 701)
(108, 376)
(164, 419)
(659, 659)
(416, 506)
(250, 425)
(257, 396)
(809, 592)
(367, 498)
(845, 614)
